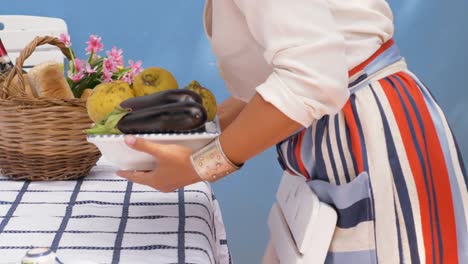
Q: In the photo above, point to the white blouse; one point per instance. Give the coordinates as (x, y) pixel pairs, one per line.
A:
(295, 54)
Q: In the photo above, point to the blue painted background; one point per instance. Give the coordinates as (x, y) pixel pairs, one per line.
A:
(432, 36)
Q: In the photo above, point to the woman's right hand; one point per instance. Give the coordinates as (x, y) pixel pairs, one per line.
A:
(228, 111)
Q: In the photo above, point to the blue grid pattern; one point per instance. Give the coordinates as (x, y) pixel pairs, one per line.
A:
(106, 219)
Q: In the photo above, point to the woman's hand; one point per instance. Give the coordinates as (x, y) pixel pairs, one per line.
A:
(173, 171)
(228, 111)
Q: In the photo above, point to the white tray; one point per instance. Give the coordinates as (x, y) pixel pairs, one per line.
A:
(115, 151)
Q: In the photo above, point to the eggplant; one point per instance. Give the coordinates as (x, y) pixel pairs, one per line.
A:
(174, 117)
(161, 98)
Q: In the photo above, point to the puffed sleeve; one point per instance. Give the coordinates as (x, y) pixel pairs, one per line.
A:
(302, 43)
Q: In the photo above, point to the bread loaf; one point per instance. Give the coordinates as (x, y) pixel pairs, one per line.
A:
(47, 80)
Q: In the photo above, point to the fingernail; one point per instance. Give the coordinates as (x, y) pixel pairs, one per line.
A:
(130, 140)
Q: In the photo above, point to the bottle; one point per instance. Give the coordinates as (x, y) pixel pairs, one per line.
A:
(5, 63)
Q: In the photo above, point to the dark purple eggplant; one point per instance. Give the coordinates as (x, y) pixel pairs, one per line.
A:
(161, 98)
(175, 117)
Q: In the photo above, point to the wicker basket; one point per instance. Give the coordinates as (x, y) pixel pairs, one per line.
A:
(42, 139)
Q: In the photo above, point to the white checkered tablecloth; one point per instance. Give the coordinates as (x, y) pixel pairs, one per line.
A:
(105, 219)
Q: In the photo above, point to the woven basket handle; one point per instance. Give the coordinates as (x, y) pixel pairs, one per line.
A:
(18, 69)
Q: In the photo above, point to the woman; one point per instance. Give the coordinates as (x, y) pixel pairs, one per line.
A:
(325, 82)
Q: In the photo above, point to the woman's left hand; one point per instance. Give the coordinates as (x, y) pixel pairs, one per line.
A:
(173, 170)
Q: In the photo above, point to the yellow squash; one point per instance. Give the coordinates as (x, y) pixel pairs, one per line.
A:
(152, 80)
(209, 100)
(105, 97)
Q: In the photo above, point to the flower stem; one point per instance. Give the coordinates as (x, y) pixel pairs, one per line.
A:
(91, 57)
(73, 60)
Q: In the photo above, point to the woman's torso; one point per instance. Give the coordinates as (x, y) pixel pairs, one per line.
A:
(364, 24)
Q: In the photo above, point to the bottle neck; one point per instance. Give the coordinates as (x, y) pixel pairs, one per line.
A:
(3, 51)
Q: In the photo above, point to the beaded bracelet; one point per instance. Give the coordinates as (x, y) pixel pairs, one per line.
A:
(211, 163)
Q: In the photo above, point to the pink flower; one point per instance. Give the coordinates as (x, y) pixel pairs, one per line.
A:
(79, 70)
(106, 76)
(116, 55)
(65, 38)
(127, 78)
(90, 70)
(79, 65)
(106, 69)
(94, 45)
(135, 67)
(76, 77)
(109, 65)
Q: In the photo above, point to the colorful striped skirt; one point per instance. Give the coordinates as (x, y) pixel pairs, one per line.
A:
(390, 166)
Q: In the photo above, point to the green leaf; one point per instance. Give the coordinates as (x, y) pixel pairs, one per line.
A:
(97, 62)
(83, 84)
(108, 125)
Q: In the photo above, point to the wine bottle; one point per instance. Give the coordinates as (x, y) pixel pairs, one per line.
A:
(5, 63)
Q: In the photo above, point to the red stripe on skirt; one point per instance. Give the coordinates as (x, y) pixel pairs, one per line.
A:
(356, 146)
(416, 169)
(420, 141)
(440, 175)
(297, 151)
(362, 65)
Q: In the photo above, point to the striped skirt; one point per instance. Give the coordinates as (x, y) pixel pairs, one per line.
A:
(390, 166)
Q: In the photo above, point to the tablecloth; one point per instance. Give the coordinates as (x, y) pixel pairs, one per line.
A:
(105, 219)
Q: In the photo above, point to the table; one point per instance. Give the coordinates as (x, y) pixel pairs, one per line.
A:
(105, 219)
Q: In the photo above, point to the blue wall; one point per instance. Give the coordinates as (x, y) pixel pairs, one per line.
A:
(431, 34)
